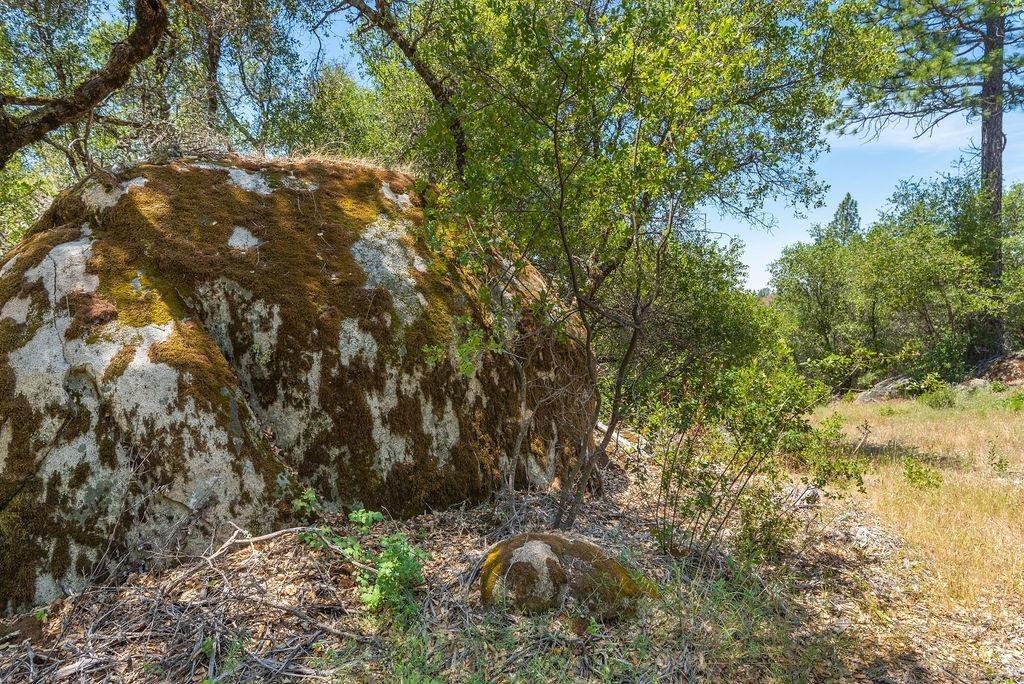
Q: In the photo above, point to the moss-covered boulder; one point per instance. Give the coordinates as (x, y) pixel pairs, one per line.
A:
(189, 346)
(537, 572)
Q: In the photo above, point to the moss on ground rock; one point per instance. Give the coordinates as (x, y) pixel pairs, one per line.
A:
(197, 342)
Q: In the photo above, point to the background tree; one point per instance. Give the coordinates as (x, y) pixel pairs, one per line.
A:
(904, 296)
(845, 224)
(956, 57)
(27, 118)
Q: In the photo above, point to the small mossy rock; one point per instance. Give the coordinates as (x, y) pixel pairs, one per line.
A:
(537, 572)
(189, 348)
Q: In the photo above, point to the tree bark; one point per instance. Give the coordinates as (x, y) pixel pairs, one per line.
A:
(993, 140)
(214, 45)
(19, 132)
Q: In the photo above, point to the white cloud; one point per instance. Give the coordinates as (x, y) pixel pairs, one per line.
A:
(953, 134)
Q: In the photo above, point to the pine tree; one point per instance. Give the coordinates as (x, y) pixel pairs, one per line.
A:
(955, 57)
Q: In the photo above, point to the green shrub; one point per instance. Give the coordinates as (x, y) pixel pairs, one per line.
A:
(921, 476)
(306, 505)
(998, 386)
(399, 569)
(385, 579)
(1014, 402)
(934, 392)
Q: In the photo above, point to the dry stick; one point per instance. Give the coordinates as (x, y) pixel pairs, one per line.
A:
(305, 617)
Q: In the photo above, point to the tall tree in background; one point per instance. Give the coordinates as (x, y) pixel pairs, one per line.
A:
(956, 57)
(845, 224)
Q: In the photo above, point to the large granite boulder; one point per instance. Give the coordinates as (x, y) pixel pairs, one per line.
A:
(188, 347)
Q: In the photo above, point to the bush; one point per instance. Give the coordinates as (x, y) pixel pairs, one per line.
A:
(399, 569)
(386, 579)
(935, 393)
(725, 463)
(921, 476)
(1014, 402)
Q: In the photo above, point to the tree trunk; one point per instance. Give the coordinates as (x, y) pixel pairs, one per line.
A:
(214, 44)
(993, 141)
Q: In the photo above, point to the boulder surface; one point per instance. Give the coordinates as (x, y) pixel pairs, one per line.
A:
(536, 572)
(190, 347)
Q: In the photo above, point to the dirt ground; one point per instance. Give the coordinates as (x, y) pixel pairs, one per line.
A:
(275, 609)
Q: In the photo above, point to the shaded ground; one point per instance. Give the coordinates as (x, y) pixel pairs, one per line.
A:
(845, 608)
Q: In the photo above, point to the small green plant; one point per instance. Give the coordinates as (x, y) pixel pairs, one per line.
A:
(998, 461)
(261, 354)
(307, 505)
(468, 350)
(1014, 402)
(887, 411)
(385, 579)
(399, 568)
(921, 476)
(364, 519)
(233, 659)
(998, 386)
(432, 354)
(41, 614)
(935, 393)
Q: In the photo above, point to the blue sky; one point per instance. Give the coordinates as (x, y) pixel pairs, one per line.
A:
(869, 169)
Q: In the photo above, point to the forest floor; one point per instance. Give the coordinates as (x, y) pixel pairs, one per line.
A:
(853, 600)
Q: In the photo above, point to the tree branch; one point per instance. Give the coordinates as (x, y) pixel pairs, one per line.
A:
(51, 114)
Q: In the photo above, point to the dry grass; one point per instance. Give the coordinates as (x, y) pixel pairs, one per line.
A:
(969, 531)
(966, 433)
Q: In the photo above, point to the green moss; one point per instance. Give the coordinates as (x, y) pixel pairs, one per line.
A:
(119, 363)
(190, 350)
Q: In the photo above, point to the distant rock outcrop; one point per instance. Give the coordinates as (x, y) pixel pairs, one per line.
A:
(1007, 369)
(189, 348)
(890, 388)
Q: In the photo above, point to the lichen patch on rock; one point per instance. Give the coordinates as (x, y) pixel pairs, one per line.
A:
(242, 239)
(536, 572)
(401, 200)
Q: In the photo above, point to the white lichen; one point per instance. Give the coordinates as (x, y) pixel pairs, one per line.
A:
(250, 181)
(5, 442)
(97, 197)
(17, 309)
(443, 429)
(8, 265)
(537, 554)
(389, 261)
(392, 448)
(353, 341)
(241, 239)
(402, 200)
(63, 271)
